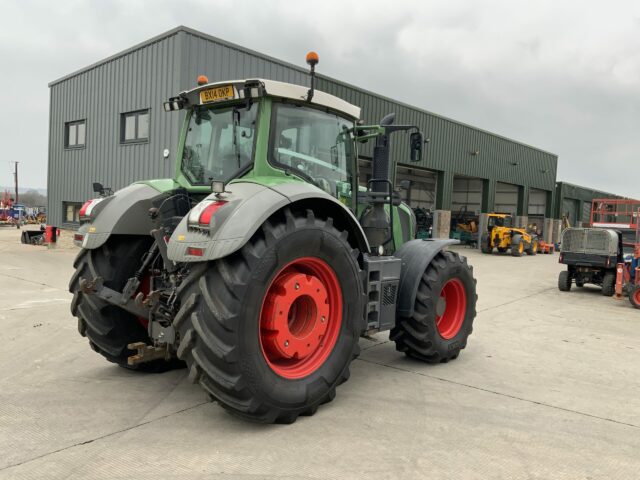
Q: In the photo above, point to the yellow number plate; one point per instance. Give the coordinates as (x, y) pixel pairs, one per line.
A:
(216, 94)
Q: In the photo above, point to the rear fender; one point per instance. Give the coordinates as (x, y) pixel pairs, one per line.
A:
(126, 212)
(248, 205)
(416, 255)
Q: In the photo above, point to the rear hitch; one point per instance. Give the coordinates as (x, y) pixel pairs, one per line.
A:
(96, 287)
(147, 353)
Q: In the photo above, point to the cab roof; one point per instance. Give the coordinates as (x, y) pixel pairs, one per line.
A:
(259, 87)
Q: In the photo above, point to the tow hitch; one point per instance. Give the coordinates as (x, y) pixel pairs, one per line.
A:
(147, 353)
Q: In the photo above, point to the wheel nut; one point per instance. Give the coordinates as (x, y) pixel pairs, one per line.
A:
(322, 319)
(297, 286)
(286, 343)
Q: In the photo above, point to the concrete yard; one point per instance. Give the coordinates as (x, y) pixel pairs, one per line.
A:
(548, 387)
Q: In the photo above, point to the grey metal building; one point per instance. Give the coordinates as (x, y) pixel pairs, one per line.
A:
(107, 125)
(573, 202)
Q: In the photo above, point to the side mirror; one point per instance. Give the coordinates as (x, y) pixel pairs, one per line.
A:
(416, 141)
(97, 187)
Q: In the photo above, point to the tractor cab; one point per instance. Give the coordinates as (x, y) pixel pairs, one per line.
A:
(259, 130)
(263, 128)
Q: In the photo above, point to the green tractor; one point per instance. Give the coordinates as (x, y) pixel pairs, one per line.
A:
(262, 262)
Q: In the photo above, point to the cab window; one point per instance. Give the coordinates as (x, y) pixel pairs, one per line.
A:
(317, 145)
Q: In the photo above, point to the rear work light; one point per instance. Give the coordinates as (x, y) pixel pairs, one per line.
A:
(202, 214)
(87, 208)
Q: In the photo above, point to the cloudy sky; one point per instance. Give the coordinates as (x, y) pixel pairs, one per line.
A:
(563, 76)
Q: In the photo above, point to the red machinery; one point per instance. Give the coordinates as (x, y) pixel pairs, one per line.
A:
(628, 272)
(544, 247)
(618, 213)
(6, 203)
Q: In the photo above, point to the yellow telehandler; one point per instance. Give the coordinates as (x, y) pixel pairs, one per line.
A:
(502, 236)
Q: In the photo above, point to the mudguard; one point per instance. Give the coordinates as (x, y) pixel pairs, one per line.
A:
(125, 212)
(416, 256)
(248, 205)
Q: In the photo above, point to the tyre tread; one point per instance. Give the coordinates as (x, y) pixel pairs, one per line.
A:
(413, 335)
(209, 347)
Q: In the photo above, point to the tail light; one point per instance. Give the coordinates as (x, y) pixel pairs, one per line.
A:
(202, 214)
(195, 252)
(87, 208)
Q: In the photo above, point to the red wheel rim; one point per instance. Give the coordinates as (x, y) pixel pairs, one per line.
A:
(636, 296)
(301, 317)
(451, 308)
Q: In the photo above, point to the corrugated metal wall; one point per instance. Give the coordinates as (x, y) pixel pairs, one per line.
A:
(218, 61)
(537, 203)
(453, 145)
(141, 79)
(506, 198)
(146, 75)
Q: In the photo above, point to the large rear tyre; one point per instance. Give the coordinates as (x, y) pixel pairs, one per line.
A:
(609, 284)
(634, 295)
(270, 330)
(443, 313)
(564, 281)
(109, 328)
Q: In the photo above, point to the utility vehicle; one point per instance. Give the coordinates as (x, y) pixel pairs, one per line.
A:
(591, 256)
(262, 262)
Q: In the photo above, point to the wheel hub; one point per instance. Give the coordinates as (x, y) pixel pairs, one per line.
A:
(296, 312)
(451, 308)
(301, 317)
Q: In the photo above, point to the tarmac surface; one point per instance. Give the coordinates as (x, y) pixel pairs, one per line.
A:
(548, 388)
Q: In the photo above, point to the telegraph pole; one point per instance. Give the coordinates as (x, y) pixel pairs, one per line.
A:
(15, 177)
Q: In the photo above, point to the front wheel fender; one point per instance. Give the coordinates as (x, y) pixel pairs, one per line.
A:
(416, 255)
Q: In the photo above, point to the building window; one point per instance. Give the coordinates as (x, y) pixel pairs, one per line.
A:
(75, 134)
(134, 127)
(71, 212)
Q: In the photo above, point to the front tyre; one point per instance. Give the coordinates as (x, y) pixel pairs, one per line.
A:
(443, 313)
(517, 246)
(270, 330)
